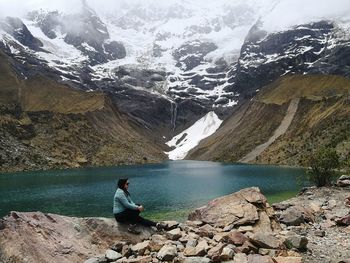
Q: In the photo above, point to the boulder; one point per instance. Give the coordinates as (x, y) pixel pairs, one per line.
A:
(206, 231)
(240, 208)
(167, 253)
(140, 248)
(296, 241)
(40, 237)
(265, 240)
(292, 217)
(157, 242)
(174, 234)
(236, 238)
(215, 252)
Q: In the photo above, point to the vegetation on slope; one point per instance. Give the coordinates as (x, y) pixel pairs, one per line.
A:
(322, 120)
(44, 124)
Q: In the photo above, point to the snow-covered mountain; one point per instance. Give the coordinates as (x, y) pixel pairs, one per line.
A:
(168, 64)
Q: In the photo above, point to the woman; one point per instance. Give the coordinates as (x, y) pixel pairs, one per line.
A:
(126, 211)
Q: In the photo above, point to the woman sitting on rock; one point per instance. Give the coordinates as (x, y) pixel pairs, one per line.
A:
(126, 211)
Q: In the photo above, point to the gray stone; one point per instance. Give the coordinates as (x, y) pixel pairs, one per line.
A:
(215, 252)
(140, 248)
(167, 253)
(240, 258)
(112, 255)
(296, 241)
(265, 240)
(195, 260)
(174, 234)
(227, 254)
(320, 233)
(259, 259)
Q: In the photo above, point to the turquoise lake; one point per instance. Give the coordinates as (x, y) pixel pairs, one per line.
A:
(168, 190)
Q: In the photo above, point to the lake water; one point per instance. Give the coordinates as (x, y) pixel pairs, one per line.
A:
(168, 190)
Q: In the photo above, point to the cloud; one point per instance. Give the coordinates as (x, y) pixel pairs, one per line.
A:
(293, 12)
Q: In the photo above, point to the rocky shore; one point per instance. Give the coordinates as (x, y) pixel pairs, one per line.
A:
(239, 228)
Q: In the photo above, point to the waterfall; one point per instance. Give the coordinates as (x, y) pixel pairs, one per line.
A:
(173, 114)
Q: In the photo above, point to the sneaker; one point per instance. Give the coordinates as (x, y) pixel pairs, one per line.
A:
(132, 229)
(160, 226)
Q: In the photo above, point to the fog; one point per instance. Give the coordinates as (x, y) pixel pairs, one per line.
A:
(276, 14)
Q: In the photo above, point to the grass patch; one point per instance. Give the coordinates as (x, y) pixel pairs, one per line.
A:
(279, 197)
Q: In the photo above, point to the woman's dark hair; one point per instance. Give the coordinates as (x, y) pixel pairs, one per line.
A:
(121, 184)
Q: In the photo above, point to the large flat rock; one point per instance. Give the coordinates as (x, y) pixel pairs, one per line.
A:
(240, 208)
(38, 237)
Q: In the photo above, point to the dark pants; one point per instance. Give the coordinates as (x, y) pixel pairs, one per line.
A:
(133, 217)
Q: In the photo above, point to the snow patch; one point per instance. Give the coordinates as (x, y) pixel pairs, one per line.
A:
(189, 138)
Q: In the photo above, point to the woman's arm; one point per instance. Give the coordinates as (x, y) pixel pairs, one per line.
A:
(125, 202)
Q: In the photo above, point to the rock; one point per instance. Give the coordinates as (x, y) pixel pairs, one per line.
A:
(292, 217)
(248, 247)
(240, 258)
(2, 224)
(73, 239)
(320, 233)
(344, 221)
(281, 206)
(96, 260)
(296, 241)
(215, 252)
(126, 251)
(190, 252)
(236, 238)
(265, 240)
(344, 181)
(288, 259)
(167, 253)
(244, 229)
(256, 258)
(235, 209)
(119, 246)
(206, 231)
(202, 245)
(227, 254)
(195, 260)
(156, 242)
(112, 255)
(139, 259)
(140, 248)
(174, 234)
(268, 252)
(264, 223)
(191, 243)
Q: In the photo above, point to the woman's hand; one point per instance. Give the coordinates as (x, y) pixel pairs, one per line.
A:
(140, 208)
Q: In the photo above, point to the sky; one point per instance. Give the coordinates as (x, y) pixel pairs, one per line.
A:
(285, 13)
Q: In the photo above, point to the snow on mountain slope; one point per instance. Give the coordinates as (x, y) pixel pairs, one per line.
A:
(189, 138)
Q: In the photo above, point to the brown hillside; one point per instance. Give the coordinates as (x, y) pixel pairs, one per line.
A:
(44, 125)
(322, 119)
